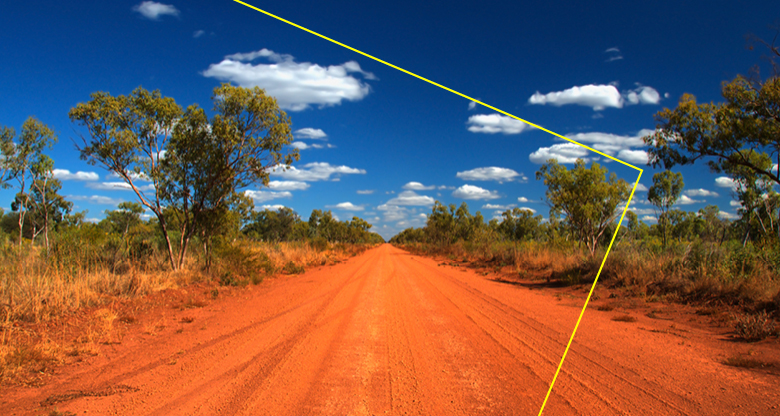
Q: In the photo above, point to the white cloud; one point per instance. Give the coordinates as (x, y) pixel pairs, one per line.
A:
(735, 203)
(315, 171)
(612, 49)
(198, 33)
(495, 123)
(365, 191)
(310, 133)
(562, 152)
(474, 192)
(472, 105)
(288, 185)
(96, 199)
(497, 206)
(727, 215)
(597, 97)
(153, 10)
(533, 211)
(522, 199)
(637, 157)
(347, 206)
(685, 200)
(725, 182)
(642, 95)
(274, 207)
(263, 196)
(649, 218)
(417, 186)
(411, 198)
(700, 192)
(491, 173)
(641, 188)
(66, 175)
(296, 86)
(117, 186)
(608, 143)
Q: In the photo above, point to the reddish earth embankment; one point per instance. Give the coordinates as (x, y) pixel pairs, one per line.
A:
(392, 333)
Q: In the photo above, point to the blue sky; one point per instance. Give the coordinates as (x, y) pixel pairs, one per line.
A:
(375, 142)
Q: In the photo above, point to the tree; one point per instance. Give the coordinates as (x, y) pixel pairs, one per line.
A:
(194, 163)
(7, 151)
(666, 190)
(24, 161)
(440, 226)
(519, 224)
(47, 207)
(585, 195)
(742, 134)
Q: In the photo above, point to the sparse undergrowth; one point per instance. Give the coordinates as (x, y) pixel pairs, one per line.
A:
(33, 291)
(755, 327)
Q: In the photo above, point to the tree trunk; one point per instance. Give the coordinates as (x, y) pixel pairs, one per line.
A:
(164, 229)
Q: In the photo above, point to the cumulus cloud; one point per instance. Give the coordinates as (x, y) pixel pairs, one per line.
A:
(641, 188)
(274, 207)
(533, 211)
(700, 192)
(295, 85)
(347, 206)
(96, 199)
(365, 191)
(310, 133)
(562, 152)
(495, 123)
(686, 200)
(66, 175)
(153, 10)
(315, 171)
(264, 196)
(726, 182)
(474, 192)
(608, 143)
(417, 186)
(118, 186)
(288, 185)
(727, 215)
(491, 173)
(597, 97)
(522, 199)
(411, 198)
(497, 206)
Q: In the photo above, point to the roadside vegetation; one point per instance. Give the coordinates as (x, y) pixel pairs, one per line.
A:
(189, 220)
(706, 257)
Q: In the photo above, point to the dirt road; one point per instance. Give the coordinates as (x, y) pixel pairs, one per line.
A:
(392, 333)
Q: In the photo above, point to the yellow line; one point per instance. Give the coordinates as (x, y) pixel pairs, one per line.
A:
(571, 339)
(434, 83)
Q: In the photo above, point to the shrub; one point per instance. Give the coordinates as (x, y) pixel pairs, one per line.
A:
(755, 327)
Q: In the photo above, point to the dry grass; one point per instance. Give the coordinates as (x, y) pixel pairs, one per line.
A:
(742, 361)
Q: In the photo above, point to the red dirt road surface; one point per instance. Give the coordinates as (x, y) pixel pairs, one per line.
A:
(389, 333)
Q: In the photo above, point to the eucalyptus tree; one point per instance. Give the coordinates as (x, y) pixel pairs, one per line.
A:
(46, 206)
(587, 198)
(193, 163)
(666, 190)
(24, 161)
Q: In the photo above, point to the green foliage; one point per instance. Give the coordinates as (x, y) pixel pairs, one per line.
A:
(666, 190)
(585, 196)
(238, 265)
(194, 163)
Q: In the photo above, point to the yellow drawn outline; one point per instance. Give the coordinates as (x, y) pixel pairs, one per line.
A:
(630, 197)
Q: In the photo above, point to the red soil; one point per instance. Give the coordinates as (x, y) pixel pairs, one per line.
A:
(392, 333)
